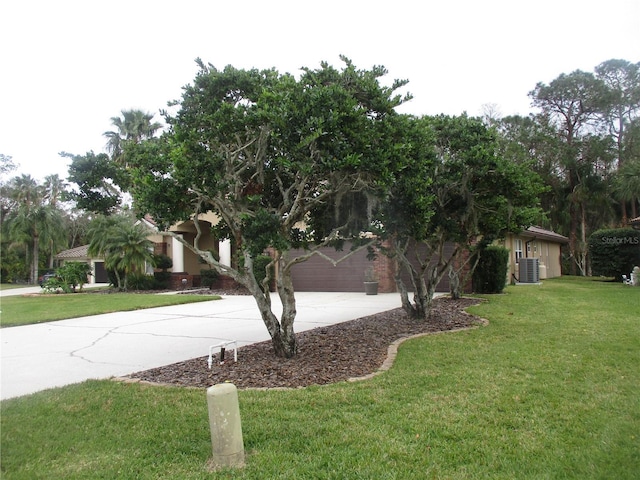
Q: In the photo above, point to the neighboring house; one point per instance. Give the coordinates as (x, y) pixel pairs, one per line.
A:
(318, 274)
(186, 264)
(635, 223)
(536, 242)
(80, 254)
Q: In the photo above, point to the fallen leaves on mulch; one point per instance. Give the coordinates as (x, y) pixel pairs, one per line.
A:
(325, 355)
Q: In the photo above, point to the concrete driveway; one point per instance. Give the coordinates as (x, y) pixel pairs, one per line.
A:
(54, 354)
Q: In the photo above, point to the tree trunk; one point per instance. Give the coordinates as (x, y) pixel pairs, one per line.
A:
(282, 335)
(584, 267)
(404, 297)
(422, 291)
(454, 283)
(573, 223)
(35, 259)
(289, 343)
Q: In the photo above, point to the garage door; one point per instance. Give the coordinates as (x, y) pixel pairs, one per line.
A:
(100, 273)
(319, 275)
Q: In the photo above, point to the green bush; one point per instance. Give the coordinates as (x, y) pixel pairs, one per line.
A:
(162, 280)
(141, 281)
(614, 252)
(68, 278)
(208, 276)
(162, 261)
(490, 275)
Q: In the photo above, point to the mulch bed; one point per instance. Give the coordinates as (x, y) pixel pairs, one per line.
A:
(326, 355)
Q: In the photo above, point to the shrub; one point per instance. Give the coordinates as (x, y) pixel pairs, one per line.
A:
(208, 277)
(614, 252)
(141, 281)
(162, 280)
(162, 261)
(68, 277)
(490, 275)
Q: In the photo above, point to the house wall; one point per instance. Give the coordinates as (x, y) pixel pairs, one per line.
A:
(548, 253)
(192, 263)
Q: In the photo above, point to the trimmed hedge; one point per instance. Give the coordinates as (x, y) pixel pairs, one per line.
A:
(490, 275)
(614, 252)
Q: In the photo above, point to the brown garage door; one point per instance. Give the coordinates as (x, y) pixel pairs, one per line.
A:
(319, 275)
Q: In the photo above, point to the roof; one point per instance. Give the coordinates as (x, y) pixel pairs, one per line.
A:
(635, 222)
(542, 234)
(78, 252)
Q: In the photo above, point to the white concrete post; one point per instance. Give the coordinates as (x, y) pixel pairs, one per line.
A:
(226, 429)
(224, 250)
(178, 255)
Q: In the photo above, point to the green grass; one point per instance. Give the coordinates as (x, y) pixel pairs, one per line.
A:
(12, 286)
(25, 310)
(549, 390)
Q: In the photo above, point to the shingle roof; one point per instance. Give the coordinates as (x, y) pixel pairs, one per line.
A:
(537, 232)
(77, 252)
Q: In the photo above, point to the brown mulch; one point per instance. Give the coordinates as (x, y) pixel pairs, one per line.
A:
(326, 355)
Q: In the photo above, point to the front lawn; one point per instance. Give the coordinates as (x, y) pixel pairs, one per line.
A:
(13, 286)
(28, 309)
(548, 390)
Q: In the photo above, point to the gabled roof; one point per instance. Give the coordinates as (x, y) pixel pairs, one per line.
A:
(541, 233)
(77, 252)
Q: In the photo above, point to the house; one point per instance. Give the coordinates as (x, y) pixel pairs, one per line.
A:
(635, 223)
(81, 254)
(186, 264)
(536, 242)
(317, 274)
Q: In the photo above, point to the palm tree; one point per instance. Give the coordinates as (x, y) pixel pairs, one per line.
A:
(133, 126)
(31, 219)
(53, 189)
(123, 245)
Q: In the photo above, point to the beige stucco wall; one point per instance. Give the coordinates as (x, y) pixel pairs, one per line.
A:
(191, 260)
(546, 251)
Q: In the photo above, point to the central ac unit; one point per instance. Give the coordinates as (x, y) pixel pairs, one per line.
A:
(529, 270)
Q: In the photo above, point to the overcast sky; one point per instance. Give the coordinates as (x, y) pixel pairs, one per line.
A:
(69, 66)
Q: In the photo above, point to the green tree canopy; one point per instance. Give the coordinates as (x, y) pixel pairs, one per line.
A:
(271, 156)
(100, 182)
(457, 189)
